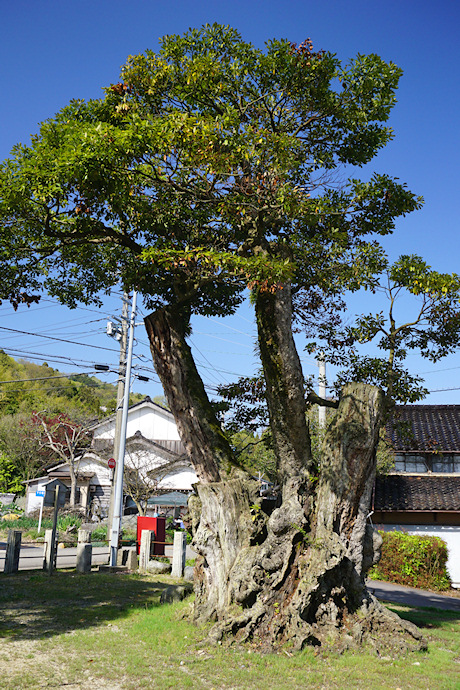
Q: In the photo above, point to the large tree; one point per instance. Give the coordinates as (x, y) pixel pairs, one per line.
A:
(210, 168)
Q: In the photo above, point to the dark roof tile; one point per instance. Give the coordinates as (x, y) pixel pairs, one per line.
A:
(432, 428)
(425, 493)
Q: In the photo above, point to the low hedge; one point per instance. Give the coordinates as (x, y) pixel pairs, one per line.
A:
(412, 560)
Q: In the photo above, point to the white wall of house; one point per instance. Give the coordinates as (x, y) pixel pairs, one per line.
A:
(449, 534)
(181, 480)
(102, 474)
(151, 420)
(34, 502)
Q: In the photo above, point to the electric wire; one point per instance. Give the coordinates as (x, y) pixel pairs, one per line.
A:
(61, 340)
(51, 378)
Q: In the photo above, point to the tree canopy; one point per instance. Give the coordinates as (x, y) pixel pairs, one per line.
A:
(212, 158)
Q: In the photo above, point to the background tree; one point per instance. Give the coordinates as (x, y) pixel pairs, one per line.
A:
(209, 169)
(9, 479)
(20, 448)
(66, 438)
(431, 326)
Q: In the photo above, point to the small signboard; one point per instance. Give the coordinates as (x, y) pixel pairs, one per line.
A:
(111, 463)
(40, 493)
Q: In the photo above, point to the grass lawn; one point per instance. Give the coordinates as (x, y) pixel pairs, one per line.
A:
(108, 630)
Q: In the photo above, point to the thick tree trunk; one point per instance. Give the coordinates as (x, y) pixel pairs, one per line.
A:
(263, 576)
(198, 426)
(284, 383)
(286, 403)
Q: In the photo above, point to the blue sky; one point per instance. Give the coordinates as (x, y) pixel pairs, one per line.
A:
(52, 51)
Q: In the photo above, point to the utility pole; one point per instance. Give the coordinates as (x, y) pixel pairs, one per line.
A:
(118, 500)
(120, 396)
(321, 390)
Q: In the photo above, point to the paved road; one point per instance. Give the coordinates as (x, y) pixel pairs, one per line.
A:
(31, 557)
(408, 596)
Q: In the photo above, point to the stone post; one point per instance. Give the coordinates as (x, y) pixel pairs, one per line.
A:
(84, 551)
(127, 556)
(13, 549)
(145, 551)
(179, 548)
(50, 550)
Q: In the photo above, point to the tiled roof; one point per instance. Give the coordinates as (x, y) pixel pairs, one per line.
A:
(431, 428)
(409, 492)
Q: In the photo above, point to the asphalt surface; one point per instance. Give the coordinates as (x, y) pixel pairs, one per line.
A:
(408, 596)
(31, 557)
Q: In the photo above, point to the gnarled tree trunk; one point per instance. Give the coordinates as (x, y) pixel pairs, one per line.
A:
(265, 577)
(290, 570)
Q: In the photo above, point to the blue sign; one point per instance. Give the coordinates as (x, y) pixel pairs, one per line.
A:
(40, 493)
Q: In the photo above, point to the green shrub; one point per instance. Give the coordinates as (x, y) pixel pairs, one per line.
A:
(67, 521)
(99, 534)
(29, 525)
(412, 560)
(24, 523)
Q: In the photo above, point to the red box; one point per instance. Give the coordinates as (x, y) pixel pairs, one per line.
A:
(158, 525)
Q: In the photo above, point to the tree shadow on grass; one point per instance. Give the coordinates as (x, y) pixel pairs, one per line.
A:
(34, 606)
(426, 617)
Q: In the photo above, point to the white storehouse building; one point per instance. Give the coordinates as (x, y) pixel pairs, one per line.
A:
(153, 448)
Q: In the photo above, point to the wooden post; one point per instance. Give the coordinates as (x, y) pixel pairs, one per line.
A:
(13, 549)
(48, 552)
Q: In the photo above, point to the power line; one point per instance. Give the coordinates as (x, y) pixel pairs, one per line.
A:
(435, 371)
(226, 340)
(61, 340)
(59, 359)
(51, 378)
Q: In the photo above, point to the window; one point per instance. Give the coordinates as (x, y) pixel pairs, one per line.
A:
(430, 462)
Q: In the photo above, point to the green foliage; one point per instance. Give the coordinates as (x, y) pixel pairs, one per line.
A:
(29, 525)
(413, 560)
(254, 453)
(10, 479)
(204, 171)
(210, 168)
(29, 387)
(99, 533)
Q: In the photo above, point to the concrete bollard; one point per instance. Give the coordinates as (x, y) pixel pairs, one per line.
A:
(146, 547)
(49, 555)
(84, 551)
(13, 549)
(179, 547)
(84, 536)
(127, 556)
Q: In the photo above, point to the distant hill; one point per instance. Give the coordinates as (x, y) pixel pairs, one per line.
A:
(27, 387)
